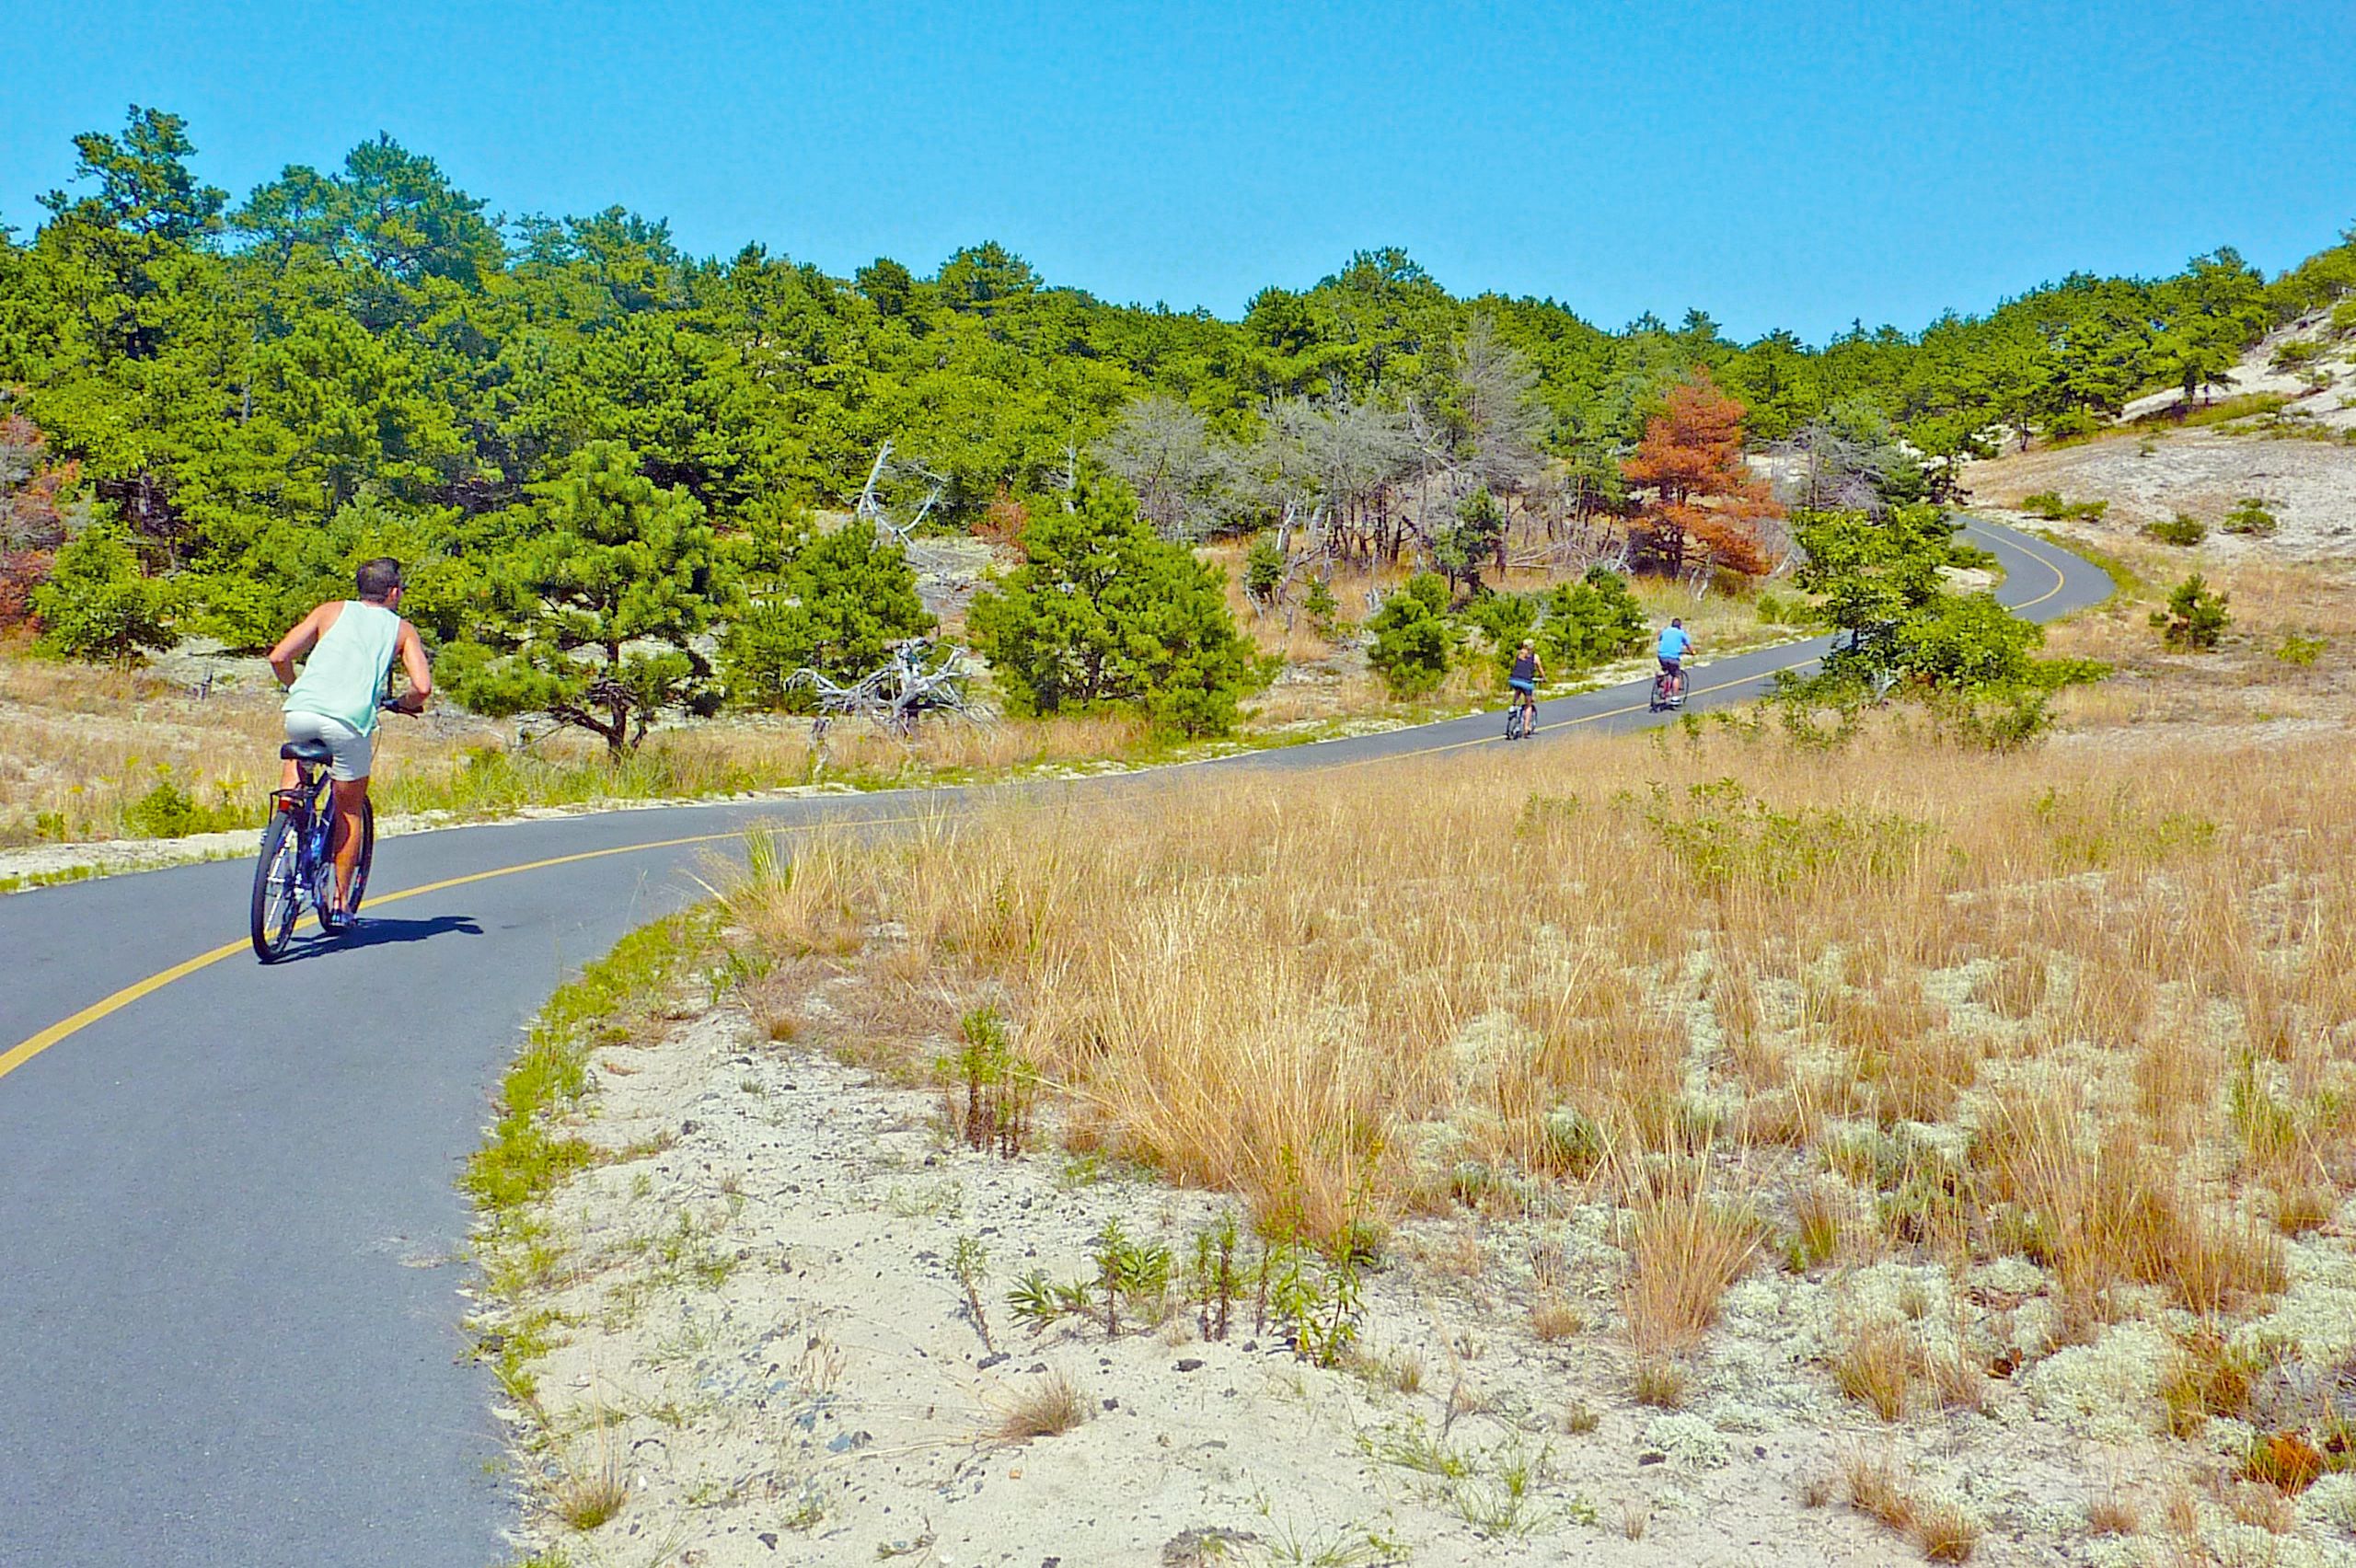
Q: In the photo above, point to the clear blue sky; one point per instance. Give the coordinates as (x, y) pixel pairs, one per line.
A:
(1775, 165)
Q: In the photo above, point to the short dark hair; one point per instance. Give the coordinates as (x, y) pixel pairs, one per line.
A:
(378, 577)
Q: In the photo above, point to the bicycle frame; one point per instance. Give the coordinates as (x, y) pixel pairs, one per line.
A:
(312, 811)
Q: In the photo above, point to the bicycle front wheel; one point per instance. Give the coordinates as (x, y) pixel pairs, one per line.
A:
(278, 887)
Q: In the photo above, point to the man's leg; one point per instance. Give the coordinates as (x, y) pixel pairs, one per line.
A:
(351, 796)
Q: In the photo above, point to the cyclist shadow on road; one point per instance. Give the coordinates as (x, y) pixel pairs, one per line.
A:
(379, 931)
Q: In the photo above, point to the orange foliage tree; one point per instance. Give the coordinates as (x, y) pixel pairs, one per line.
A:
(1704, 499)
(36, 514)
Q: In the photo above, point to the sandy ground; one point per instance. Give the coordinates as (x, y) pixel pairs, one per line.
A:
(2151, 473)
(2328, 405)
(2309, 486)
(764, 1339)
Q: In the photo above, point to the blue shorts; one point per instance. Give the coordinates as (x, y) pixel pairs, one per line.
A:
(1526, 689)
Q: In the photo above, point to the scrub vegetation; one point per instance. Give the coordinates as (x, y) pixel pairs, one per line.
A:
(617, 470)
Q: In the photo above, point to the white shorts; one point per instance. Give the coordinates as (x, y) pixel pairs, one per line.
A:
(349, 749)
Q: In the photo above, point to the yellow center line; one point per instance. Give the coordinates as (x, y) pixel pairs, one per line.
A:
(17, 1055)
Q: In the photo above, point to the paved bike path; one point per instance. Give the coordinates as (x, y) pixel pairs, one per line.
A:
(229, 1236)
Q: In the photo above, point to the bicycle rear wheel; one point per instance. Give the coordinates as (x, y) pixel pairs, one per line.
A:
(278, 887)
(360, 866)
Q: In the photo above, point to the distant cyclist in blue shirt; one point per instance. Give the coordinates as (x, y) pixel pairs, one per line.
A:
(1675, 643)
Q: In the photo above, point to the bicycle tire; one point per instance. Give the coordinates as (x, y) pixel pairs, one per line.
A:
(360, 866)
(277, 897)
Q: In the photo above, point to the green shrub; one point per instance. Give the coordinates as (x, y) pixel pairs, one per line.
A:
(2302, 650)
(1592, 620)
(2049, 505)
(1413, 639)
(2298, 352)
(1104, 610)
(169, 811)
(1461, 545)
(2053, 675)
(2195, 618)
(2182, 530)
(1722, 837)
(1503, 620)
(2001, 719)
(1781, 609)
(2071, 424)
(1264, 567)
(97, 604)
(2251, 515)
(2343, 317)
(1968, 640)
(1324, 611)
(835, 602)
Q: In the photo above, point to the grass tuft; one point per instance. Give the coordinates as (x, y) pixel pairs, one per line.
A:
(1047, 1407)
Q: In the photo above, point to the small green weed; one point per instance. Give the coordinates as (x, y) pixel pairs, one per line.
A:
(2049, 505)
(969, 1260)
(1000, 1088)
(1216, 1278)
(527, 1154)
(1723, 837)
(2300, 650)
(2252, 516)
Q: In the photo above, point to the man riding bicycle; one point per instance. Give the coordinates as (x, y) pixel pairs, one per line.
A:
(350, 644)
(1528, 670)
(1675, 643)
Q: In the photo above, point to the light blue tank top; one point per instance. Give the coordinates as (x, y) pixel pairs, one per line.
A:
(345, 674)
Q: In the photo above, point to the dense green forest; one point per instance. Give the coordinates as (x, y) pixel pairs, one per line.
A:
(255, 393)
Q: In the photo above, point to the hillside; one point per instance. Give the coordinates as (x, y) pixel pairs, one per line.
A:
(2281, 429)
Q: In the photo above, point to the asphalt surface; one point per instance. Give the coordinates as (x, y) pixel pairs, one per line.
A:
(231, 1248)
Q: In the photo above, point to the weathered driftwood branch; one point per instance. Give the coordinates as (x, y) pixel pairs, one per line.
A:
(918, 679)
(871, 508)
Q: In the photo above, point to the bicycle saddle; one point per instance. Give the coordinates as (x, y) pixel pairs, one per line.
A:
(307, 751)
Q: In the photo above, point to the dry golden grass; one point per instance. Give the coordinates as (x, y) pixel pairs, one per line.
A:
(2113, 1513)
(586, 1495)
(2119, 996)
(1552, 1318)
(1946, 1533)
(1278, 988)
(1048, 1406)
(1686, 1247)
(1658, 1382)
(1876, 1368)
(1873, 1486)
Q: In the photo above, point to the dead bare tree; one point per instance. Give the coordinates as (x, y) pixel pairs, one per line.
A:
(873, 508)
(1183, 478)
(918, 679)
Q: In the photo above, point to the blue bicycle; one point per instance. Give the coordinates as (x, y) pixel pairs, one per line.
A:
(294, 869)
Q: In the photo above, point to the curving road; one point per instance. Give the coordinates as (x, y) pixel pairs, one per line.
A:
(230, 1244)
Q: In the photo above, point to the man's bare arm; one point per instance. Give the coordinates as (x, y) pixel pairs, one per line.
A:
(298, 642)
(415, 665)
